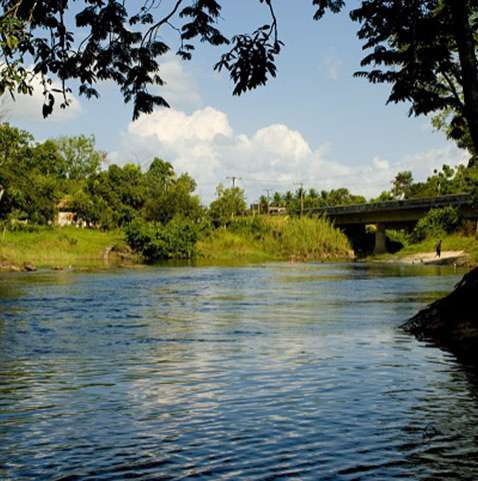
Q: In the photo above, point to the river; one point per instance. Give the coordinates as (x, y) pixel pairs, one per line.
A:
(271, 372)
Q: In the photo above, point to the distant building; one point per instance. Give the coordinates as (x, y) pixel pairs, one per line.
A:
(271, 210)
(65, 216)
(277, 210)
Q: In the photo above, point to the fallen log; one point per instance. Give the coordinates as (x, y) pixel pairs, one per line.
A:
(452, 322)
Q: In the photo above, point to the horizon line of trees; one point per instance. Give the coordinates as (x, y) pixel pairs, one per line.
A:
(449, 180)
(38, 178)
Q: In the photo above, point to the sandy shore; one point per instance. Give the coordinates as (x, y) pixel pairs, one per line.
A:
(430, 258)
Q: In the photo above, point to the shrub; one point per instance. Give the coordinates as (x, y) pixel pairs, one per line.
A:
(436, 223)
(155, 241)
(277, 237)
(309, 238)
(17, 221)
(251, 226)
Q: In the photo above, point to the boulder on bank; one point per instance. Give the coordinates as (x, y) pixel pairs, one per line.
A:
(452, 322)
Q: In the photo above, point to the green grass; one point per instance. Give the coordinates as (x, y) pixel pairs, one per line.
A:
(248, 240)
(57, 247)
(225, 246)
(274, 238)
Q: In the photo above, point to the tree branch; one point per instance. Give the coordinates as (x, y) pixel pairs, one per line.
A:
(452, 88)
(149, 33)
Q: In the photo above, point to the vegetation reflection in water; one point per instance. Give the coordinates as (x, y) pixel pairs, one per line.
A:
(261, 372)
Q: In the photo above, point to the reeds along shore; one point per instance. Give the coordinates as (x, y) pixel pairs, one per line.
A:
(284, 238)
(244, 240)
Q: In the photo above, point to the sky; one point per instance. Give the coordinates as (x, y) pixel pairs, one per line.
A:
(314, 124)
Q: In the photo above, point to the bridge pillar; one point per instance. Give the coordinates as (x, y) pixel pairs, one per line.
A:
(380, 240)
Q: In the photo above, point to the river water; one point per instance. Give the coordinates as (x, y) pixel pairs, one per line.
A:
(273, 372)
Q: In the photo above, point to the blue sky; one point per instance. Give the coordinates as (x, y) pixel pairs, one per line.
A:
(314, 124)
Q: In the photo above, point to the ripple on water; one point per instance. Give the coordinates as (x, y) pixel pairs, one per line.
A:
(283, 372)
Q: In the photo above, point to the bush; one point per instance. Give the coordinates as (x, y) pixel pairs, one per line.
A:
(254, 226)
(17, 221)
(309, 238)
(437, 223)
(155, 241)
(276, 237)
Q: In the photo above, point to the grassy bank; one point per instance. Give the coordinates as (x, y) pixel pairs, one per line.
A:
(273, 238)
(247, 240)
(56, 247)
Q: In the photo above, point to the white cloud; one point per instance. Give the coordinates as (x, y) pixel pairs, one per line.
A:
(170, 126)
(204, 144)
(279, 139)
(277, 157)
(29, 107)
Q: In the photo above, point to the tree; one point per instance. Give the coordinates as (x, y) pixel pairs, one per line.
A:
(31, 175)
(385, 196)
(160, 175)
(15, 144)
(402, 185)
(448, 180)
(173, 200)
(80, 156)
(340, 196)
(99, 41)
(228, 204)
(263, 204)
(47, 159)
(118, 194)
(426, 49)
(277, 199)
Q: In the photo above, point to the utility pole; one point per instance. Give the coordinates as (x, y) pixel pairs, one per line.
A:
(301, 186)
(268, 192)
(233, 179)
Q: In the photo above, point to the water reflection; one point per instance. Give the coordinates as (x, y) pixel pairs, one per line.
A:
(276, 372)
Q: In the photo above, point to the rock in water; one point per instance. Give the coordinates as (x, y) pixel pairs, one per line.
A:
(452, 322)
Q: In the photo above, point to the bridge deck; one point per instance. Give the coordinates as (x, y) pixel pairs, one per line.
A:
(396, 211)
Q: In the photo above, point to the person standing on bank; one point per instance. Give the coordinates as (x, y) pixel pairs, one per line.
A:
(438, 248)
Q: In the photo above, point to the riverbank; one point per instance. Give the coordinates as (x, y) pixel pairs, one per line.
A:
(456, 249)
(59, 248)
(246, 241)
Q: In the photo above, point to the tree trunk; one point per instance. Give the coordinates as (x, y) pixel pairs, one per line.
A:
(460, 12)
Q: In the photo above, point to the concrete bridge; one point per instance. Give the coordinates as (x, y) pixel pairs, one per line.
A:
(395, 214)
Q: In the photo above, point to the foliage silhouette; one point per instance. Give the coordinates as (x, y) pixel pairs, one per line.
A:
(425, 49)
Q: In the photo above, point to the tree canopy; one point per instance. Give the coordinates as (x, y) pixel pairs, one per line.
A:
(39, 178)
(426, 49)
